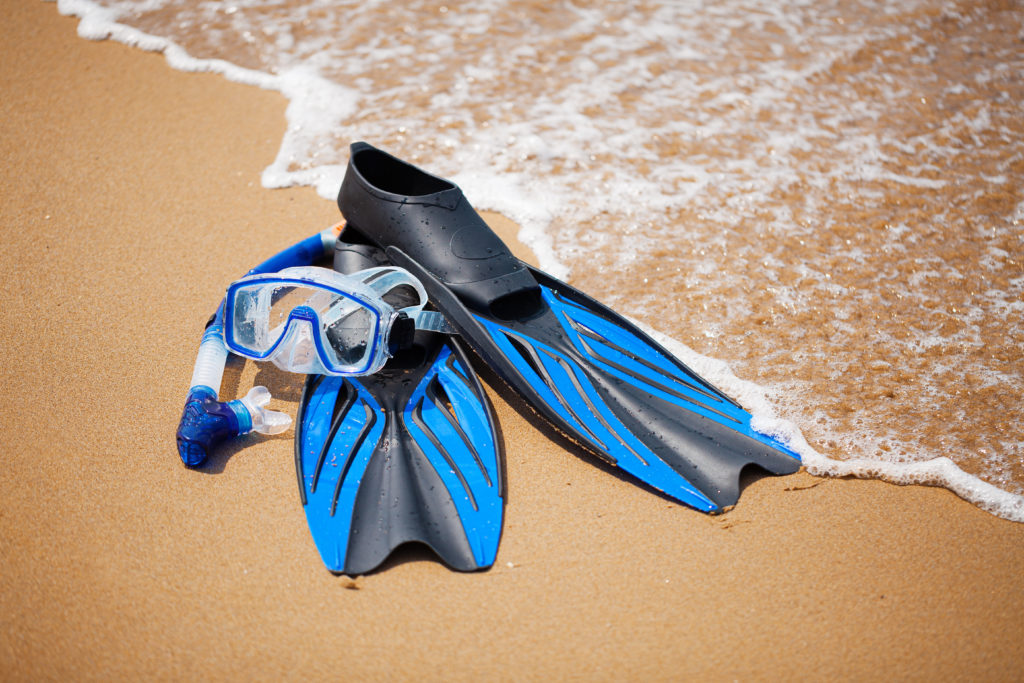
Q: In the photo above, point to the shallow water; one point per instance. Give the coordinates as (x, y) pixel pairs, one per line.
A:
(826, 195)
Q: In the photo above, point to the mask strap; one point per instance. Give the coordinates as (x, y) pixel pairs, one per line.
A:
(432, 321)
(392, 278)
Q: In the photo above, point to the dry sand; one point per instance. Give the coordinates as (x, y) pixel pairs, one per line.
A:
(131, 195)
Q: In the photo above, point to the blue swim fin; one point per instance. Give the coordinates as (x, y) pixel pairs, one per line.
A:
(594, 375)
(410, 454)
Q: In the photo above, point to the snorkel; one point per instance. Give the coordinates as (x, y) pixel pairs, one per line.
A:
(207, 422)
(306, 320)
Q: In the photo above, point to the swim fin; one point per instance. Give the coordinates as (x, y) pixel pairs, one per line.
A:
(410, 453)
(595, 376)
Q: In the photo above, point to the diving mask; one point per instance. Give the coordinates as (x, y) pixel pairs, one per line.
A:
(317, 321)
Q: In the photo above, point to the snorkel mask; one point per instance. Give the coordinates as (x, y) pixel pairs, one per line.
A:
(317, 321)
(303, 319)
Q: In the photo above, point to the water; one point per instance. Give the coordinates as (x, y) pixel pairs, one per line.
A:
(824, 195)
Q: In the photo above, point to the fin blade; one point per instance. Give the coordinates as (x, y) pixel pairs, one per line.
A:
(634, 404)
(337, 440)
(413, 457)
(457, 440)
(570, 392)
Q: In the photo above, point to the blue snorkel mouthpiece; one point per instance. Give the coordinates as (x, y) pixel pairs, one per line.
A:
(206, 422)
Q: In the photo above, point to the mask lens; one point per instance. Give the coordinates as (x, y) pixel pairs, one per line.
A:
(285, 298)
(248, 326)
(349, 336)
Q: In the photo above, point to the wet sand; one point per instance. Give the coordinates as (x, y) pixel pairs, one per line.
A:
(131, 197)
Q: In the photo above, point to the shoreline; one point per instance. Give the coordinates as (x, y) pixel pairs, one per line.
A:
(124, 563)
(937, 471)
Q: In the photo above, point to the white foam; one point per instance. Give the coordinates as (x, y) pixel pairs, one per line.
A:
(100, 23)
(314, 103)
(940, 471)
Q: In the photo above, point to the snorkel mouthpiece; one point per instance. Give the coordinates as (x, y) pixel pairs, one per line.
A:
(206, 422)
(261, 420)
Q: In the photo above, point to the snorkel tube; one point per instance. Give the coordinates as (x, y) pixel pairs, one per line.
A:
(207, 422)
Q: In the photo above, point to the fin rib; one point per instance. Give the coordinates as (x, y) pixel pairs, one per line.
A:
(312, 382)
(432, 392)
(371, 419)
(525, 350)
(569, 370)
(689, 377)
(645, 380)
(338, 416)
(522, 343)
(457, 369)
(589, 333)
(417, 417)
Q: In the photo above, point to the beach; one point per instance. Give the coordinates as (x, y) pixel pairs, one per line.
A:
(132, 192)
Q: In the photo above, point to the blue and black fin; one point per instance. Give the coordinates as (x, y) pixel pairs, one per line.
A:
(410, 454)
(594, 375)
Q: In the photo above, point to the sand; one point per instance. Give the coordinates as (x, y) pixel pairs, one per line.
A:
(131, 195)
